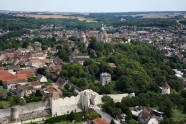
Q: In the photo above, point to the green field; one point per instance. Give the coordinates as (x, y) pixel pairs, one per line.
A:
(5, 104)
(65, 122)
(1, 89)
(177, 115)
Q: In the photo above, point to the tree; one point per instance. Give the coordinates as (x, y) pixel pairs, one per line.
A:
(1, 83)
(71, 116)
(166, 106)
(38, 93)
(106, 99)
(16, 100)
(133, 122)
(112, 122)
(184, 109)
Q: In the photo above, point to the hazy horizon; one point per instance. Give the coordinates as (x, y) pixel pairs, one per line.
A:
(93, 5)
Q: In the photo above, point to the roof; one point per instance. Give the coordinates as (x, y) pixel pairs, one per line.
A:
(166, 85)
(105, 74)
(15, 67)
(35, 83)
(45, 60)
(55, 95)
(51, 89)
(54, 68)
(112, 65)
(28, 72)
(4, 72)
(61, 81)
(13, 78)
(1, 68)
(100, 121)
(145, 115)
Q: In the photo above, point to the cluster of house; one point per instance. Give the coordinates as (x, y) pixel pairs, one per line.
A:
(147, 115)
(21, 64)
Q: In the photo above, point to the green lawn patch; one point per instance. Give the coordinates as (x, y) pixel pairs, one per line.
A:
(65, 122)
(178, 115)
(2, 90)
(5, 104)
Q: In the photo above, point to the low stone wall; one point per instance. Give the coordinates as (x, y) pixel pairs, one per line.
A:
(5, 113)
(35, 114)
(34, 107)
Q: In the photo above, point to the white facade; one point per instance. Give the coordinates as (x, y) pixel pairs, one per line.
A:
(105, 78)
(153, 121)
(43, 79)
(165, 91)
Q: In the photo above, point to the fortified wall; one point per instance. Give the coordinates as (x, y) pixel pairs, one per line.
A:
(60, 106)
(56, 106)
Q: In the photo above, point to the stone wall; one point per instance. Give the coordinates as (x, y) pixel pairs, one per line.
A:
(35, 114)
(58, 104)
(5, 112)
(34, 107)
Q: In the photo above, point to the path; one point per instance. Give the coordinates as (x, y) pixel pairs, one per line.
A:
(104, 115)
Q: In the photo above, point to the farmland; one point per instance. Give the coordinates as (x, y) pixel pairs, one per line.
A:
(37, 16)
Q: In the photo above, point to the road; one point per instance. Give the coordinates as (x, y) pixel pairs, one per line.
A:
(104, 115)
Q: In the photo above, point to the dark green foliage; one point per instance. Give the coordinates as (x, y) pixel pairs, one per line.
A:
(112, 122)
(1, 83)
(106, 99)
(16, 100)
(71, 116)
(38, 93)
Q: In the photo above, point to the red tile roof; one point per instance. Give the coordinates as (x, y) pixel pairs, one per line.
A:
(100, 121)
(35, 83)
(166, 85)
(28, 72)
(13, 78)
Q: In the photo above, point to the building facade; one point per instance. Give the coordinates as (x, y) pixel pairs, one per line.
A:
(105, 78)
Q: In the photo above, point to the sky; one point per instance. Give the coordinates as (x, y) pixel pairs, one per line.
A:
(93, 5)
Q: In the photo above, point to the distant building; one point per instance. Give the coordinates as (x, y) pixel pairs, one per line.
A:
(102, 35)
(146, 118)
(165, 89)
(82, 37)
(80, 57)
(105, 78)
(37, 46)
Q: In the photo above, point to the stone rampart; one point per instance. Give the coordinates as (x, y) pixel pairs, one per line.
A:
(5, 112)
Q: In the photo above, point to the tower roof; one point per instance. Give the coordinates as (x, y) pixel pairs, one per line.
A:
(166, 85)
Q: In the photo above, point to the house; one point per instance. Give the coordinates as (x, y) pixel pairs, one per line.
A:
(39, 55)
(23, 90)
(36, 63)
(9, 80)
(28, 72)
(61, 83)
(54, 68)
(14, 68)
(112, 65)
(165, 89)
(58, 61)
(36, 84)
(80, 57)
(41, 78)
(105, 78)
(50, 90)
(146, 118)
(99, 121)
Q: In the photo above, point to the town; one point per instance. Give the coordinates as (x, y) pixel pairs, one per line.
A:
(118, 73)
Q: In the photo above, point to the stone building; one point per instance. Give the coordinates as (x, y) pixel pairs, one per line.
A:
(82, 37)
(37, 46)
(105, 78)
(102, 35)
(165, 89)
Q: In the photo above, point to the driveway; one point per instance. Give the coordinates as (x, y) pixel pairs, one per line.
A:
(104, 115)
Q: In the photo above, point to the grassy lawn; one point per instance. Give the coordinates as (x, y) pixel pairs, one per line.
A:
(1, 89)
(178, 115)
(65, 122)
(5, 104)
